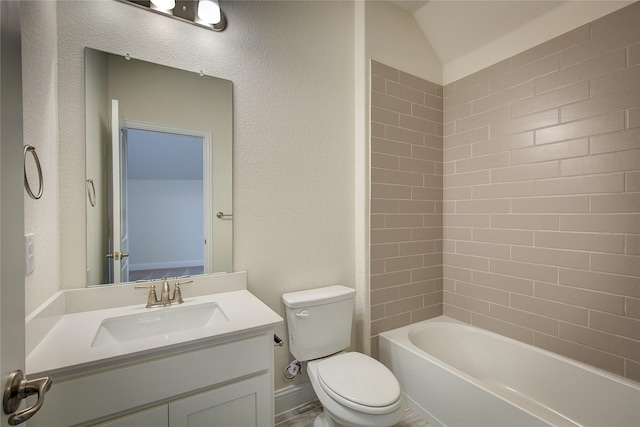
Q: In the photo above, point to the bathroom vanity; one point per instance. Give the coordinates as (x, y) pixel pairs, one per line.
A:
(207, 362)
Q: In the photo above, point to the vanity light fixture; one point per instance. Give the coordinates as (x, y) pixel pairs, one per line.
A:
(203, 13)
(164, 4)
(209, 11)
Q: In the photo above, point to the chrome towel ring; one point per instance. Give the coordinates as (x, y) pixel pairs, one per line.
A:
(31, 149)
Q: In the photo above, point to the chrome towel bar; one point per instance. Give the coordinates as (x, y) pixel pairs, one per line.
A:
(221, 215)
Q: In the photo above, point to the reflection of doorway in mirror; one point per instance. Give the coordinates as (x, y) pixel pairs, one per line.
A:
(165, 204)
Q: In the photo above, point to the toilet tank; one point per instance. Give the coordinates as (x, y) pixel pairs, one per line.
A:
(319, 321)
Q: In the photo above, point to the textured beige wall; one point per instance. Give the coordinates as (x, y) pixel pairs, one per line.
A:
(40, 109)
(406, 200)
(294, 151)
(293, 133)
(542, 195)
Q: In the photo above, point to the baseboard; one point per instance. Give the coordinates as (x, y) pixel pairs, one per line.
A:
(168, 264)
(291, 397)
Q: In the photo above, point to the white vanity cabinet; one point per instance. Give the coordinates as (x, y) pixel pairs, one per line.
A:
(157, 417)
(243, 404)
(225, 382)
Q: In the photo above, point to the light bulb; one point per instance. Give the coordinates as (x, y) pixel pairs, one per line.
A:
(164, 4)
(209, 11)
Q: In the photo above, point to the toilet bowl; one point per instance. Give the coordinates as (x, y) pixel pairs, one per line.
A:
(354, 389)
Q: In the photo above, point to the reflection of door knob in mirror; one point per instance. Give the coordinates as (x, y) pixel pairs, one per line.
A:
(118, 255)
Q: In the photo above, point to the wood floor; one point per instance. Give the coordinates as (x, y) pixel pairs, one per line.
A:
(304, 416)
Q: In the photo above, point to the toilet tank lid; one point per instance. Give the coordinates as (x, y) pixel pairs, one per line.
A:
(317, 296)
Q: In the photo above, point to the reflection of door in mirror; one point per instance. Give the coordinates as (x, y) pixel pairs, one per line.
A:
(165, 204)
(118, 252)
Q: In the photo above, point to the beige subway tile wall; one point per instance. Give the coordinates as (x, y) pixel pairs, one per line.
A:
(542, 195)
(406, 200)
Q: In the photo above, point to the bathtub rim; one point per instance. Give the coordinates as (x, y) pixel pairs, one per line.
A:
(401, 337)
(549, 416)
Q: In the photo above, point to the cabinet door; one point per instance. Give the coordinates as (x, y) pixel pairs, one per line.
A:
(157, 416)
(242, 404)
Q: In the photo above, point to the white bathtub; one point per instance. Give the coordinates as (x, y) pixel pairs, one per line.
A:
(455, 374)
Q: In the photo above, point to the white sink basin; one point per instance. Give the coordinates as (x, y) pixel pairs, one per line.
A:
(158, 321)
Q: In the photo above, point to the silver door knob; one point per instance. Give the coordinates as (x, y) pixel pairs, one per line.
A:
(18, 388)
(118, 255)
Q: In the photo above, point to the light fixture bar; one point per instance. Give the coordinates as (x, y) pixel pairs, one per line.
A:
(175, 12)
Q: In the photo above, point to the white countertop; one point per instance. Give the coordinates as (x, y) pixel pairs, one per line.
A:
(68, 344)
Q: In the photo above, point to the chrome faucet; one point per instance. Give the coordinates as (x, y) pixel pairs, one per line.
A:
(166, 289)
(165, 300)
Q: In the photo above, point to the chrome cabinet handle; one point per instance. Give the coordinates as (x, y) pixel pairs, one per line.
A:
(18, 388)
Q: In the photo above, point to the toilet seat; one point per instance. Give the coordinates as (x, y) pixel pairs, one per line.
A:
(360, 382)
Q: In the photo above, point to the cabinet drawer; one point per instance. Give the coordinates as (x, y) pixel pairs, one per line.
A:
(121, 389)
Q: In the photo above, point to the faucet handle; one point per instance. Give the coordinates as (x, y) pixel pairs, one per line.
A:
(177, 292)
(153, 296)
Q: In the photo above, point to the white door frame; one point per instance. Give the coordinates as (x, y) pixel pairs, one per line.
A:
(207, 178)
(119, 227)
(12, 257)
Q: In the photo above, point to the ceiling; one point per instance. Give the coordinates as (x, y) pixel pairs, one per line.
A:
(160, 155)
(457, 28)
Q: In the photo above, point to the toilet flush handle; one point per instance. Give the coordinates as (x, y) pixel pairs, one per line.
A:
(303, 313)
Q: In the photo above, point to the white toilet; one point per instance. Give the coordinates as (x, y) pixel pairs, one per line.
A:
(354, 389)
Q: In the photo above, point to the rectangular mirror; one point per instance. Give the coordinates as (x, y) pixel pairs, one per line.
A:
(159, 170)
